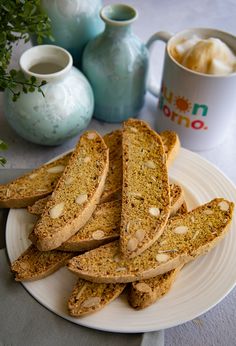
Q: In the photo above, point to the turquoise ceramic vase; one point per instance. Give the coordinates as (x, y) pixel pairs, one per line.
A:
(116, 64)
(66, 107)
(74, 23)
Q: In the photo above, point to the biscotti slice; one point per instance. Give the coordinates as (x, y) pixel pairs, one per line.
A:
(41, 182)
(103, 227)
(185, 238)
(171, 144)
(37, 184)
(88, 297)
(145, 192)
(146, 292)
(112, 189)
(176, 198)
(38, 207)
(113, 140)
(76, 195)
(182, 210)
(34, 264)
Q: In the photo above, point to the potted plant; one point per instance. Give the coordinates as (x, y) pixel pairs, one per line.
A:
(19, 19)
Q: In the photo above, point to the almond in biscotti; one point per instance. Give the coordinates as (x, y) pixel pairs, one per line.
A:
(170, 251)
(143, 158)
(88, 297)
(72, 205)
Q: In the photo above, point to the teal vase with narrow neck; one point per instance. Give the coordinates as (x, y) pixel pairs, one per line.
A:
(74, 23)
(116, 64)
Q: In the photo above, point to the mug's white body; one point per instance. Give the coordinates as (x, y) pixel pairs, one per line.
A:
(197, 106)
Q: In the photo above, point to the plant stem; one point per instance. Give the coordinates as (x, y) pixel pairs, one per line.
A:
(22, 83)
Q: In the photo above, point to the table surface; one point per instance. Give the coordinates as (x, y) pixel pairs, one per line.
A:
(217, 327)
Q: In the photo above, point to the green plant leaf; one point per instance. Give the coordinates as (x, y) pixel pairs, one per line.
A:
(18, 20)
(2, 37)
(3, 145)
(31, 89)
(13, 73)
(3, 161)
(33, 79)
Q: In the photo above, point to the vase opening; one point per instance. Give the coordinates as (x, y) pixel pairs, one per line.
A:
(46, 62)
(118, 14)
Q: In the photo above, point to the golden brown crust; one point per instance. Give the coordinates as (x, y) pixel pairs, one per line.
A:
(176, 198)
(185, 238)
(86, 245)
(171, 144)
(182, 210)
(76, 195)
(34, 265)
(146, 292)
(145, 192)
(113, 183)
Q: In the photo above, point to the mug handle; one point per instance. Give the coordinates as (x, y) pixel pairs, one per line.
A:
(158, 36)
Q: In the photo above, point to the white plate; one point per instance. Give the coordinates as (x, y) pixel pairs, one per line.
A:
(200, 286)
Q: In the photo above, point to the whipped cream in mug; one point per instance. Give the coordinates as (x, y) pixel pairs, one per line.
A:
(209, 56)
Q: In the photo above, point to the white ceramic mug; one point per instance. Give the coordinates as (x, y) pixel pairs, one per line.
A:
(199, 107)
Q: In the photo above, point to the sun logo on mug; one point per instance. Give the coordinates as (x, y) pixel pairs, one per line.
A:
(182, 104)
